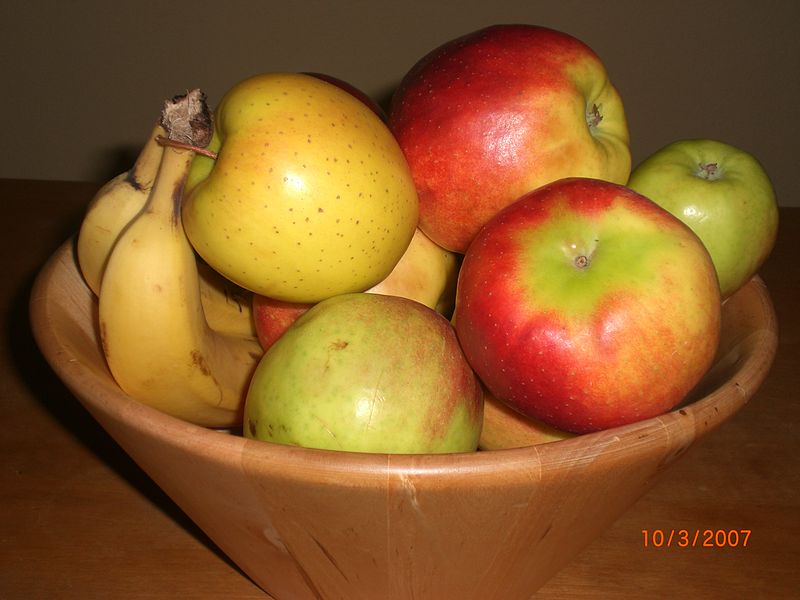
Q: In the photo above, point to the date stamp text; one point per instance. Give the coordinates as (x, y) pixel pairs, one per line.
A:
(696, 538)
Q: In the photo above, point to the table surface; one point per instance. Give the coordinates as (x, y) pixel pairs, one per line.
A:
(78, 519)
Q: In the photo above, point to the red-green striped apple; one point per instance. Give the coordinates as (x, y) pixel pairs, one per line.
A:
(586, 305)
(367, 373)
(723, 194)
(498, 112)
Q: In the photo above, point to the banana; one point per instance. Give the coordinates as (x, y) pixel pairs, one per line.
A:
(157, 341)
(227, 306)
(113, 207)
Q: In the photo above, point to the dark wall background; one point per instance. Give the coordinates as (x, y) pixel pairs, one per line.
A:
(83, 80)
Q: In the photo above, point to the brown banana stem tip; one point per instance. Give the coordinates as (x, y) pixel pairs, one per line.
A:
(188, 123)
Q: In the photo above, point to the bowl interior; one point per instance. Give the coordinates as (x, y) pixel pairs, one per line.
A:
(311, 523)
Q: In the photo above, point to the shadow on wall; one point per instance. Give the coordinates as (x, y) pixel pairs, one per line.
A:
(110, 162)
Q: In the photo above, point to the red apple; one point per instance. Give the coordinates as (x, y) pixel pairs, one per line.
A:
(273, 317)
(426, 273)
(585, 305)
(496, 113)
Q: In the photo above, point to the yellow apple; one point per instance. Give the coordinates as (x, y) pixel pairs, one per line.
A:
(426, 273)
(504, 427)
(309, 195)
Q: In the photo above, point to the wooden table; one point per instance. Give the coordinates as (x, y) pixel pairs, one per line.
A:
(78, 519)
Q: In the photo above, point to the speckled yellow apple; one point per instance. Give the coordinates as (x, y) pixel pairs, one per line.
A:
(309, 195)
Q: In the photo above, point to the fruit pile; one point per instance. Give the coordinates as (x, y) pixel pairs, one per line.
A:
(476, 268)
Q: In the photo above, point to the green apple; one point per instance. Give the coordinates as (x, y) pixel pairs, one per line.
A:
(367, 373)
(723, 194)
(309, 195)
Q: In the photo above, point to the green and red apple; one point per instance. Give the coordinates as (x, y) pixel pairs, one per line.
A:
(723, 194)
(309, 195)
(426, 273)
(586, 306)
(498, 112)
(367, 373)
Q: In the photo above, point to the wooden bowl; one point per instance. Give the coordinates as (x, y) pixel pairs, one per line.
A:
(309, 524)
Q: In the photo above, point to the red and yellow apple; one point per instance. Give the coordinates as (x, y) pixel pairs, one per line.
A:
(586, 306)
(367, 373)
(496, 113)
(723, 194)
(426, 273)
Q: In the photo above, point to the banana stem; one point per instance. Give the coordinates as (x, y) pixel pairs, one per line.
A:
(187, 123)
(165, 141)
(186, 120)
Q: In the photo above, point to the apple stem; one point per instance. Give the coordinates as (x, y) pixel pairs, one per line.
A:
(709, 171)
(581, 261)
(593, 116)
(165, 141)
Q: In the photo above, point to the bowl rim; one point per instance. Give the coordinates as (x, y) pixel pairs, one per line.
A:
(100, 396)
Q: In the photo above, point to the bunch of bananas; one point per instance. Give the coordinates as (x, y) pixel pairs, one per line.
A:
(177, 335)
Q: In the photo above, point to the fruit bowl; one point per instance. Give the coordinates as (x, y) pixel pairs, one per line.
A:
(309, 524)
